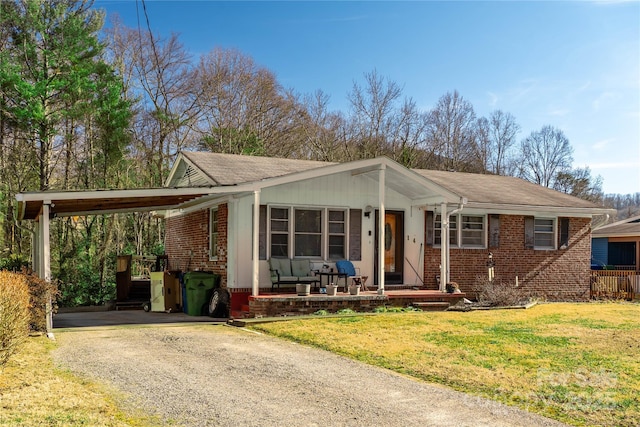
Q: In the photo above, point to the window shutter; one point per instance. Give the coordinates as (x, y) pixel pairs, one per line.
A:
(429, 227)
(355, 234)
(529, 232)
(494, 231)
(563, 235)
(262, 233)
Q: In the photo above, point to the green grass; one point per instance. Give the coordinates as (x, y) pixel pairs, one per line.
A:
(33, 392)
(577, 363)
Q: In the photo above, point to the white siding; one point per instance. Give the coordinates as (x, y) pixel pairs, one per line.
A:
(354, 192)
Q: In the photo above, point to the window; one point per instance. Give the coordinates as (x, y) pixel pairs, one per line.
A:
(465, 231)
(279, 228)
(337, 234)
(308, 232)
(213, 233)
(453, 232)
(472, 233)
(543, 230)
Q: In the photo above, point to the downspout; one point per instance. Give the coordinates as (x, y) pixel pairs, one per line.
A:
(445, 274)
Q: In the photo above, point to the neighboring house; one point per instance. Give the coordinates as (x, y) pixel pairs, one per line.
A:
(230, 214)
(539, 238)
(617, 244)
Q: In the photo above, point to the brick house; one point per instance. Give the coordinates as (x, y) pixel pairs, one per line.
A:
(539, 238)
(230, 214)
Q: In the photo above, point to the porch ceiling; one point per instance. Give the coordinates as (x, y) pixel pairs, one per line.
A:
(70, 203)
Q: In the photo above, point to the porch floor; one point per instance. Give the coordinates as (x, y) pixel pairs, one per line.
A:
(290, 304)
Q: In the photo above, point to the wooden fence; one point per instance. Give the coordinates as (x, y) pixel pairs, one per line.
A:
(615, 284)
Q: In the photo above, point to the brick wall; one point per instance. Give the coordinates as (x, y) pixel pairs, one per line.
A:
(557, 275)
(187, 242)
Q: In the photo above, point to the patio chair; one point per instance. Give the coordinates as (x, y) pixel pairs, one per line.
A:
(348, 271)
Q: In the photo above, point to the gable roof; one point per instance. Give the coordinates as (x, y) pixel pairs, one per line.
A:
(482, 189)
(198, 177)
(628, 227)
(213, 169)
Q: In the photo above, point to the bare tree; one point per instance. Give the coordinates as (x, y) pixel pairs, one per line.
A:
(244, 108)
(545, 154)
(324, 130)
(579, 182)
(503, 129)
(372, 117)
(451, 133)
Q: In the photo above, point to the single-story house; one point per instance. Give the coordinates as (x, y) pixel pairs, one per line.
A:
(539, 238)
(617, 244)
(231, 213)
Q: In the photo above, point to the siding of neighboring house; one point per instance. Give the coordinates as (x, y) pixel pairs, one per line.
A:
(556, 275)
(187, 242)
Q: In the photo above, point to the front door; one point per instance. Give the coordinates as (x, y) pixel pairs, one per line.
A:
(393, 247)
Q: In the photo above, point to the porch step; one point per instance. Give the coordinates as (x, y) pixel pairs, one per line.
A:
(432, 305)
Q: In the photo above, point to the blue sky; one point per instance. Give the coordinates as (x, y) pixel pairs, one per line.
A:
(574, 65)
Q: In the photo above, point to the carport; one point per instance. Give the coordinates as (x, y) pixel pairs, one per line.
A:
(42, 207)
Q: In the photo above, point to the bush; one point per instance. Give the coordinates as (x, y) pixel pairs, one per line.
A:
(40, 292)
(496, 293)
(14, 313)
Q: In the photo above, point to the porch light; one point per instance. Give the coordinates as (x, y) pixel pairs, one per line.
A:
(367, 211)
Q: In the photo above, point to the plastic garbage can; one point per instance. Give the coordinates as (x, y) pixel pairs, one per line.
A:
(199, 286)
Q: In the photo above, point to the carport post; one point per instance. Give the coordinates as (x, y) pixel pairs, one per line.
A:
(255, 286)
(44, 259)
(381, 223)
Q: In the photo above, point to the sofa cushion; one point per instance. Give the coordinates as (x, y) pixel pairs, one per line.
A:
(300, 267)
(283, 265)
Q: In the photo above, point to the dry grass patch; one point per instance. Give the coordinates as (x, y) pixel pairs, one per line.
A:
(577, 363)
(34, 393)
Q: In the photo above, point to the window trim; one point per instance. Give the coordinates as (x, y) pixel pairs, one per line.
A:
(325, 234)
(459, 231)
(553, 233)
(214, 234)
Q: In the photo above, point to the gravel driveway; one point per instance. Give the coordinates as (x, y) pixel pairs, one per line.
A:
(215, 375)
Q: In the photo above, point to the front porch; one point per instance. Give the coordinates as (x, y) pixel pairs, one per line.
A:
(288, 304)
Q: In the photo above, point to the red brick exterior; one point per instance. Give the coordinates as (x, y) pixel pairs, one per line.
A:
(187, 242)
(556, 275)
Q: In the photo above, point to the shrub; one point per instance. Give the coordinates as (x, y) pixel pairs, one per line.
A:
(40, 292)
(14, 313)
(496, 293)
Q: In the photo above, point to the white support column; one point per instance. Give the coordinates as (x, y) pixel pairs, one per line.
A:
(381, 233)
(45, 260)
(444, 247)
(255, 286)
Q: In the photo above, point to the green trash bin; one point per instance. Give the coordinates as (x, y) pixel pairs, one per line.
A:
(199, 286)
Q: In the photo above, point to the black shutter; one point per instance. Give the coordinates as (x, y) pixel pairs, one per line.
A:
(529, 232)
(429, 227)
(355, 234)
(494, 231)
(563, 235)
(262, 233)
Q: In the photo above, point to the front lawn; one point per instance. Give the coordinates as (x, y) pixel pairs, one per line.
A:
(33, 392)
(576, 363)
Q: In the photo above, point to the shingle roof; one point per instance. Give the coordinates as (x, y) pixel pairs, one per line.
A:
(627, 227)
(497, 189)
(231, 169)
